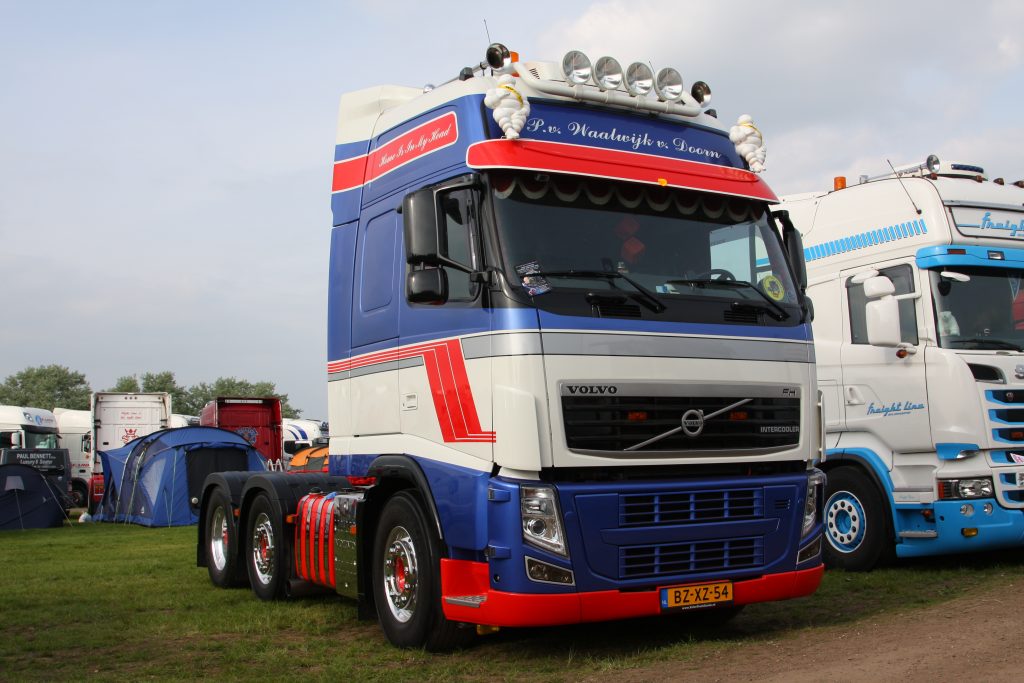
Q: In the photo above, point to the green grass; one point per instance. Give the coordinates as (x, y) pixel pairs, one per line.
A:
(110, 601)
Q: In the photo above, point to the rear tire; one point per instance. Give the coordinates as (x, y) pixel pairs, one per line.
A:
(856, 522)
(266, 550)
(407, 580)
(79, 495)
(221, 541)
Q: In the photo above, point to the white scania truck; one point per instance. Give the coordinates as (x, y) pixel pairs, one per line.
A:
(919, 329)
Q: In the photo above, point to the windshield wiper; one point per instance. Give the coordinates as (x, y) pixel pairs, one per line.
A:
(647, 297)
(773, 309)
(995, 343)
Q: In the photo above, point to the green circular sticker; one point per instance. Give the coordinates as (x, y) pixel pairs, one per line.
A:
(772, 286)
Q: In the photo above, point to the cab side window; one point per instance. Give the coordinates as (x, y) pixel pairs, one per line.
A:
(902, 278)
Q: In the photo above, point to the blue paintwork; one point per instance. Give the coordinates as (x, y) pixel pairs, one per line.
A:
(866, 239)
(1003, 528)
(471, 521)
(949, 450)
(937, 257)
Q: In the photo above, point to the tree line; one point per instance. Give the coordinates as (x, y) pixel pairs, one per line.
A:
(55, 386)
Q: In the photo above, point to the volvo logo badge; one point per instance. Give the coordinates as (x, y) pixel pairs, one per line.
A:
(693, 422)
(1018, 372)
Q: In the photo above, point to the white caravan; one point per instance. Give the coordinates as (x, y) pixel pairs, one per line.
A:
(119, 418)
(919, 329)
(74, 432)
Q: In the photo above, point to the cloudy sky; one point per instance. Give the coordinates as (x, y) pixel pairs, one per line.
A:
(165, 165)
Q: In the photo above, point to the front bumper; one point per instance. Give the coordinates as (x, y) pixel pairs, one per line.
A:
(466, 596)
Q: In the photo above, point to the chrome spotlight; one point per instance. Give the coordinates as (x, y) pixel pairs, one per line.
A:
(608, 73)
(639, 79)
(669, 85)
(701, 92)
(498, 56)
(576, 67)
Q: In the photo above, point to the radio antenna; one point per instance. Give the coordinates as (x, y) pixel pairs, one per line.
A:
(900, 178)
(488, 32)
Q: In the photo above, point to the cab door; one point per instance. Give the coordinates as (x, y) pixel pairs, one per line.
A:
(885, 395)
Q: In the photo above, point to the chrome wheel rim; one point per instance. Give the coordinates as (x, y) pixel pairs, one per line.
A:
(219, 539)
(263, 548)
(401, 577)
(845, 523)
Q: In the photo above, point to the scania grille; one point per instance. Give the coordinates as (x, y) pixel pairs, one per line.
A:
(653, 561)
(616, 423)
(691, 507)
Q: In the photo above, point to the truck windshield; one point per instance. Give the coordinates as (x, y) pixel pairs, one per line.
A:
(588, 243)
(979, 308)
(40, 440)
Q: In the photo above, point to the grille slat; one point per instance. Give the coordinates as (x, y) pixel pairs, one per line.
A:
(696, 507)
(682, 558)
(615, 423)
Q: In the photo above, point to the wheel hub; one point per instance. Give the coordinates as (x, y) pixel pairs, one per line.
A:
(401, 580)
(845, 522)
(263, 549)
(219, 539)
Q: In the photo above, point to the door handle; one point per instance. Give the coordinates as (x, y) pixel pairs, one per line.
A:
(854, 397)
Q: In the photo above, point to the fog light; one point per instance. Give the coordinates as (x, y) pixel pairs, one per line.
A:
(639, 79)
(548, 573)
(607, 73)
(809, 551)
(969, 532)
(988, 508)
(576, 67)
(669, 85)
(967, 509)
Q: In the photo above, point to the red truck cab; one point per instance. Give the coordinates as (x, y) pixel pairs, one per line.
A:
(257, 420)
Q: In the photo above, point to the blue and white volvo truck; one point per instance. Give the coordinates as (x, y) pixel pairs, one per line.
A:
(570, 367)
(916, 280)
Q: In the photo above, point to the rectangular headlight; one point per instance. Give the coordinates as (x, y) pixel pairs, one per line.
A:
(542, 521)
(812, 501)
(960, 489)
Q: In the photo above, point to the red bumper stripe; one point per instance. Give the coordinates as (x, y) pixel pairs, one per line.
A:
(464, 578)
(557, 157)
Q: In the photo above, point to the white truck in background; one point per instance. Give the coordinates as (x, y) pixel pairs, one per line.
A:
(120, 417)
(74, 432)
(298, 434)
(916, 280)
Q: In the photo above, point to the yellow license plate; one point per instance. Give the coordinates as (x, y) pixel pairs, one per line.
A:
(696, 595)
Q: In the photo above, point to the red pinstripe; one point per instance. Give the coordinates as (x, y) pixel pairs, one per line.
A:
(449, 386)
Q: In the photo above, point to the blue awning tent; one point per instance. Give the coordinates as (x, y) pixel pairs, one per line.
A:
(152, 480)
(27, 499)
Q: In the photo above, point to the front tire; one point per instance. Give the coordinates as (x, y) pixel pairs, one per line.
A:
(856, 522)
(407, 579)
(266, 550)
(221, 541)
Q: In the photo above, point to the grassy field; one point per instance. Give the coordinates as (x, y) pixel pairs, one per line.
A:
(109, 601)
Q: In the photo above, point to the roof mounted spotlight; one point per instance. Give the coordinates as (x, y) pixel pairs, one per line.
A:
(498, 56)
(701, 92)
(931, 163)
(639, 79)
(576, 67)
(608, 73)
(668, 85)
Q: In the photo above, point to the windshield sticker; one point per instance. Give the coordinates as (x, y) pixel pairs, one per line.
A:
(535, 285)
(772, 286)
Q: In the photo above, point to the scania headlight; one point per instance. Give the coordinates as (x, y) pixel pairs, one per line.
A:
(542, 522)
(980, 487)
(815, 485)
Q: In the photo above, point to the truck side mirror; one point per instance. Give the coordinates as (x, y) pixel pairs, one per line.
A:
(794, 245)
(17, 441)
(881, 314)
(428, 286)
(422, 239)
